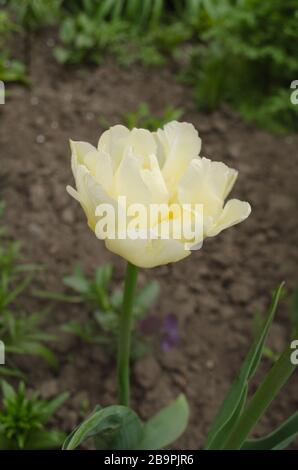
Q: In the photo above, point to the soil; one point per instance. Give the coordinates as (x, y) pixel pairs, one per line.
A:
(214, 293)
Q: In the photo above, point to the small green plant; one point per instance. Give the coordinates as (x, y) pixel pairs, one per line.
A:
(105, 307)
(23, 420)
(142, 117)
(20, 331)
(11, 70)
(33, 14)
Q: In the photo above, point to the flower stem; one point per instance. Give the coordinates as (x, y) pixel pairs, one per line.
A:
(125, 327)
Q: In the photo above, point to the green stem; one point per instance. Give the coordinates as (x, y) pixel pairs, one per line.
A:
(125, 328)
(268, 389)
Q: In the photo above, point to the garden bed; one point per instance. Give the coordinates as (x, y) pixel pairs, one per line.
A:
(215, 293)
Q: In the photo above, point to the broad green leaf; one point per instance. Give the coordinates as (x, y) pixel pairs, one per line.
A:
(278, 439)
(114, 427)
(166, 426)
(229, 411)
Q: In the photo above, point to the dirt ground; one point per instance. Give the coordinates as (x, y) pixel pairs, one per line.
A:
(214, 293)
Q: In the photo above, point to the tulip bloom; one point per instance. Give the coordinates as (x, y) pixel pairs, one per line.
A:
(154, 168)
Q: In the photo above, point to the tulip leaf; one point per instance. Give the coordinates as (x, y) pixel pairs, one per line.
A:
(235, 399)
(278, 439)
(265, 393)
(113, 428)
(165, 427)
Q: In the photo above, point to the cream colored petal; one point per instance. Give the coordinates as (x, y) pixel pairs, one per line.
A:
(129, 182)
(90, 161)
(73, 193)
(142, 142)
(221, 177)
(91, 194)
(148, 253)
(114, 142)
(195, 188)
(181, 143)
(78, 151)
(231, 178)
(154, 181)
(104, 171)
(100, 166)
(234, 212)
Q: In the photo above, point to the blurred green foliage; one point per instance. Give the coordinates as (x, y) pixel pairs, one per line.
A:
(23, 418)
(11, 70)
(142, 117)
(248, 57)
(20, 331)
(242, 52)
(129, 29)
(33, 14)
(105, 306)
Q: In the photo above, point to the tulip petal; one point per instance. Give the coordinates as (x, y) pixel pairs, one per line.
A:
(142, 142)
(233, 213)
(195, 188)
(180, 144)
(129, 182)
(154, 181)
(79, 150)
(148, 253)
(114, 142)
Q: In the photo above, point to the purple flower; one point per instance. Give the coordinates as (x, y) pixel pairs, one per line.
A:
(170, 332)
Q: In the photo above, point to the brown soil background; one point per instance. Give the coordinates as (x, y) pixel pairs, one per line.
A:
(214, 293)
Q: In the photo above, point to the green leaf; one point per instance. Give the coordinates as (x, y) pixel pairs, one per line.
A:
(43, 294)
(278, 439)
(7, 390)
(166, 426)
(9, 372)
(233, 403)
(52, 405)
(265, 393)
(77, 281)
(43, 440)
(145, 297)
(61, 54)
(103, 275)
(36, 349)
(114, 427)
